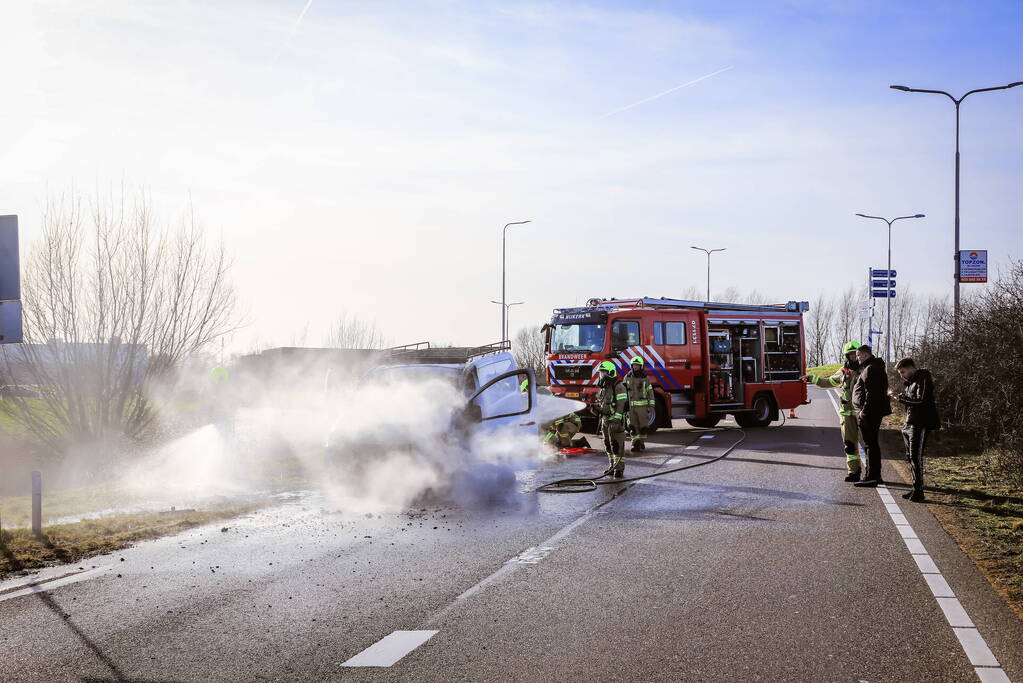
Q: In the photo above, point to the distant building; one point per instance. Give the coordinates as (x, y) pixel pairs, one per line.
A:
(25, 365)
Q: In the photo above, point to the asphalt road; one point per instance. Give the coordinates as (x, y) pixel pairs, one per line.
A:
(763, 566)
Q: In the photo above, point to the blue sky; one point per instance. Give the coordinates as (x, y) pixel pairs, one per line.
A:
(365, 159)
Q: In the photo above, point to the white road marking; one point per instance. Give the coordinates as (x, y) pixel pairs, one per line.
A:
(674, 461)
(531, 555)
(939, 586)
(390, 649)
(925, 563)
(707, 436)
(985, 663)
(975, 647)
(991, 675)
(954, 612)
(42, 587)
(915, 546)
(692, 448)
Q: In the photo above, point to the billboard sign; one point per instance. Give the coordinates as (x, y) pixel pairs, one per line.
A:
(973, 265)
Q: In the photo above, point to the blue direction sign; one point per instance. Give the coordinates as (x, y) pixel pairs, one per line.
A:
(876, 272)
(882, 283)
(883, 293)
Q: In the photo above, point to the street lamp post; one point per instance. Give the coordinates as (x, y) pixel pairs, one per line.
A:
(708, 252)
(504, 314)
(888, 313)
(504, 251)
(957, 102)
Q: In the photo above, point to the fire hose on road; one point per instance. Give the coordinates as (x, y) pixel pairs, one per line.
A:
(584, 485)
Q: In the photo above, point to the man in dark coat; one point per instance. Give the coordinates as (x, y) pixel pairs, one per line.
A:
(921, 419)
(870, 400)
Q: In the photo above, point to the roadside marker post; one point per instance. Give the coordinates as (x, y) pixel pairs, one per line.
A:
(37, 502)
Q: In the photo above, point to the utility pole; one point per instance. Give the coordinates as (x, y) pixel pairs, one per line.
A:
(504, 252)
(708, 252)
(957, 102)
(888, 313)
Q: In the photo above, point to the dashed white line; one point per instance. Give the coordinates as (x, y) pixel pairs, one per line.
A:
(985, 663)
(390, 649)
(955, 613)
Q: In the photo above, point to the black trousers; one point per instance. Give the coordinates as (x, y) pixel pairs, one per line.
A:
(915, 438)
(870, 431)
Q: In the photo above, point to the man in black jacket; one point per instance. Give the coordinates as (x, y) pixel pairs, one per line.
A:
(870, 400)
(921, 418)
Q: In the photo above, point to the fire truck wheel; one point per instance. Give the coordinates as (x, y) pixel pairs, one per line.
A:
(760, 416)
(704, 422)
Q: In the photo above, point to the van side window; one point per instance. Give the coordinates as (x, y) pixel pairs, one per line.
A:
(669, 333)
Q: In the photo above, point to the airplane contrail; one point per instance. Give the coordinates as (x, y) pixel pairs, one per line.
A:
(662, 94)
(294, 27)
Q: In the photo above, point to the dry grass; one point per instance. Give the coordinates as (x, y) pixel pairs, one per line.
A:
(20, 550)
(977, 508)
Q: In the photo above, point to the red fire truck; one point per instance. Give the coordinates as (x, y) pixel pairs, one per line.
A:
(705, 360)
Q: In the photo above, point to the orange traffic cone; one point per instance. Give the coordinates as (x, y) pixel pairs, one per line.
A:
(792, 413)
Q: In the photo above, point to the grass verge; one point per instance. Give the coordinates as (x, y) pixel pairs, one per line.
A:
(981, 512)
(20, 550)
(825, 370)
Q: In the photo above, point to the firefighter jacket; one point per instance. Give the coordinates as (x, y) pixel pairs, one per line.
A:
(870, 392)
(571, 417)
(613, 399)
(844, 377)
(918, 397)
(641, 393)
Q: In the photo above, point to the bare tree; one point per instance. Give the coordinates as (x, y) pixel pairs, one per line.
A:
(351, 332)
(818, 331)
(112, 301)
(846, 317)
(528, 349)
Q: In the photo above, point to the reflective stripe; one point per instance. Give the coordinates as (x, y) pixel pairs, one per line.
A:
(615, 416)
(619, 397)
(641, 403)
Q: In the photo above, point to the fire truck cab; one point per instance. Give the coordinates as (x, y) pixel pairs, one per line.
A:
(705, 360)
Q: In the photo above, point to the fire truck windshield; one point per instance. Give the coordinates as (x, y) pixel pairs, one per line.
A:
(578, 338)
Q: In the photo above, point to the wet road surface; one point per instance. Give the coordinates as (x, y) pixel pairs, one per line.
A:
(764, 566)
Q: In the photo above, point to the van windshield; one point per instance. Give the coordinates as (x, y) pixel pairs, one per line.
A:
(578, 338)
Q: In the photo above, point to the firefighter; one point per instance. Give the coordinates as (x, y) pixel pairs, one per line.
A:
(561, 431)
(845, 377)
(641, 403)
(612, 404)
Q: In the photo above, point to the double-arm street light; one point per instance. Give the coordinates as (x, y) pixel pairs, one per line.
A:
(504, 260)
(888, 313)
(504, 308)
(957, 102)
(708, 252)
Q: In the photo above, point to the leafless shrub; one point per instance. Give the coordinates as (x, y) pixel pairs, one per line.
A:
(979, 373)
(528, 350)
(818, 332)
(351, 332)
(112, 302)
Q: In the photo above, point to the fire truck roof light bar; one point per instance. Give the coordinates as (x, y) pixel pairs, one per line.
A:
(790, 307)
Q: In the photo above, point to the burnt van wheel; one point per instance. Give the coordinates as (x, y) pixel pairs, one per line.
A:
(760, 416)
